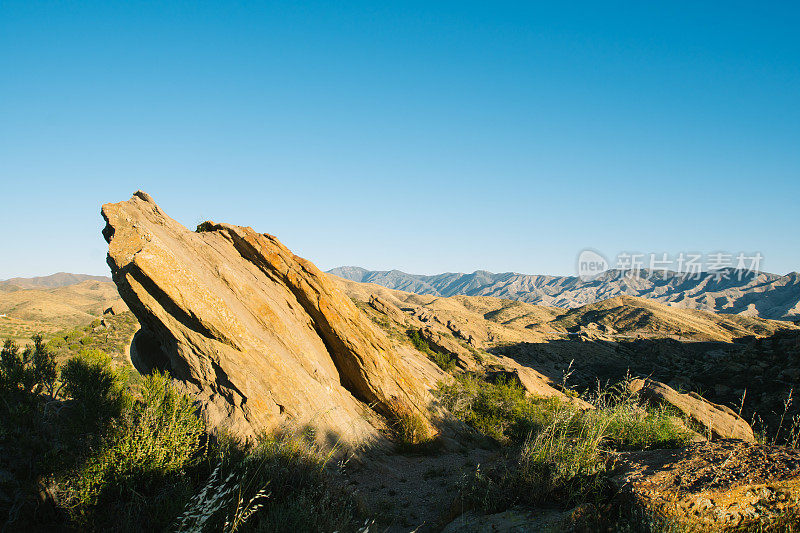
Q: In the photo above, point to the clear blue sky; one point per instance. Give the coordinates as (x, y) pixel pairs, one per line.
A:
(424, 136)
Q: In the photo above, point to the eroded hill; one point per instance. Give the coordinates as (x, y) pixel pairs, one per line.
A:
(728, 291)
(723, 357)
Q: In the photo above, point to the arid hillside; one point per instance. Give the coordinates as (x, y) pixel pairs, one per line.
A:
(727, 291)
(59, 279)
(24, 312)
(718, 355)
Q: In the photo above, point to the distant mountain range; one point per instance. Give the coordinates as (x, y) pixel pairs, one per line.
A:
(53, 281)
(727, 291)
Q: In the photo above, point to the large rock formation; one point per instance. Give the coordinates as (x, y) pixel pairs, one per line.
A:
(260, 336)
(719, 421)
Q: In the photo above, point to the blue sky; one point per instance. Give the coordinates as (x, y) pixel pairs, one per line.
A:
(423, 136)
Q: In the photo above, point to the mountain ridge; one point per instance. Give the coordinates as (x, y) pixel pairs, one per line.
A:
(757, 294)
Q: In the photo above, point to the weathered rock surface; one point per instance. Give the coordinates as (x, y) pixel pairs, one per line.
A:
(260, 336)
(719, 420)
(713, 486)
(463, 357)
(388, 309)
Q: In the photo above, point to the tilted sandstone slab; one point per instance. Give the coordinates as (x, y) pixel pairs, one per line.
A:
(259, 335)
(437, 331)
(719, 420)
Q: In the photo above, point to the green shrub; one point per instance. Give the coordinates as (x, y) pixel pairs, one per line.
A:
(55, 343)
(96, 390)
(13, 373)
(157, 436)
(443, 360)
(31, 372)
(500, 410)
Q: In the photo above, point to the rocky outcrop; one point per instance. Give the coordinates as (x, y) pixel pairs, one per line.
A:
(713, 486)
(388, 309)
(440, 343)
(719, 421)
(260, 336)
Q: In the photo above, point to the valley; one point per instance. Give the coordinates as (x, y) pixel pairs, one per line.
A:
(397, 411)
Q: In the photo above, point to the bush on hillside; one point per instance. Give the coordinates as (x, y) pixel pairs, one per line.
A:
(109, 453)
(445, 361)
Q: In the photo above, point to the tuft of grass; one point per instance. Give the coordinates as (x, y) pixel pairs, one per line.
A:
(279, 483)
(557, 451)
(565, 459)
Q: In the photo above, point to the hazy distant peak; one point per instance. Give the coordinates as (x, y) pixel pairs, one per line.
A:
(59, 279)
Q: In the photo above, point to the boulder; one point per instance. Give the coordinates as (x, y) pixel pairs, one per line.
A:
(258, 335)
(115, 309)
(712, 486)
(719, 421)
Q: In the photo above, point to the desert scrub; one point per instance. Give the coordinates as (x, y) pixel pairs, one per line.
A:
(281, 483)
(96, 392)
(500, 410)
(118, 454)
(636, 426)
(445, 361)
(153, 439)
(569, 456)
(565, 457)
(558, 451)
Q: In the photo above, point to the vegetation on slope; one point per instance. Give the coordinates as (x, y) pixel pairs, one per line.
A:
(445, 361)
(83, 447)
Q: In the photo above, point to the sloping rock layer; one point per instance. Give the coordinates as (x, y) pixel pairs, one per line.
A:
(259, 335)
(719, 421)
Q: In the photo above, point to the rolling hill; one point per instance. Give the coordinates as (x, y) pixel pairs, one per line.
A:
(761, 294)
(53, 281)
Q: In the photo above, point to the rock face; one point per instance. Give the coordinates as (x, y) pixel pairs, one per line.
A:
(464, 359)
(719, 420)
(713, 486)
(260, 336)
